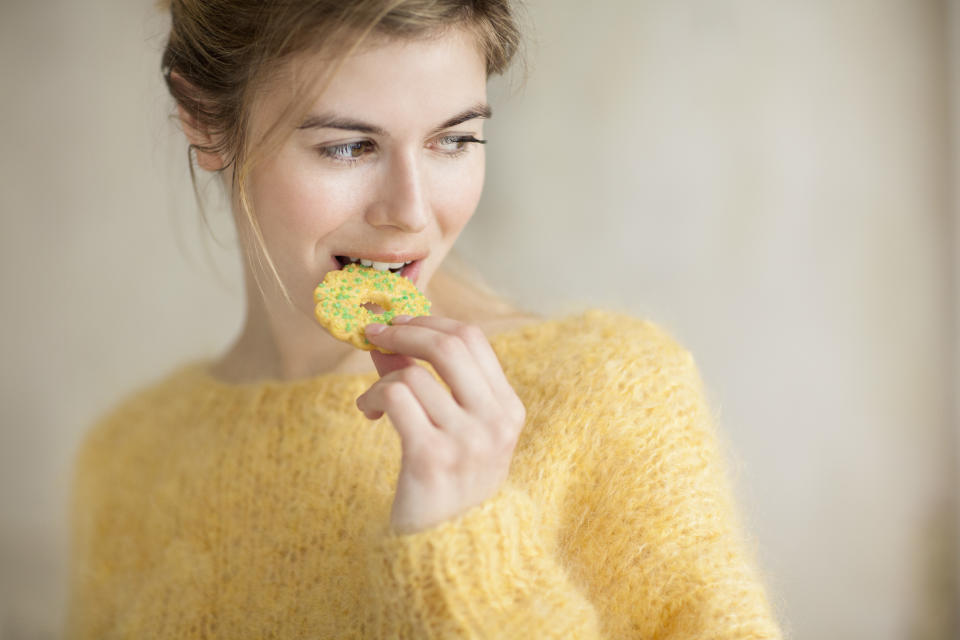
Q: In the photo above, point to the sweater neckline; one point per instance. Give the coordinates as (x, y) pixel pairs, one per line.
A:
(199, 372)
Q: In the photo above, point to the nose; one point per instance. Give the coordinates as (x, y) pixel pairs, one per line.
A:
(401, 201)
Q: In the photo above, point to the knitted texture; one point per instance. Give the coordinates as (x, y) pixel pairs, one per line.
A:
(208, 510)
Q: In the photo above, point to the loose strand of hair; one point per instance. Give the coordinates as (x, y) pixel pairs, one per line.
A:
(262, 252)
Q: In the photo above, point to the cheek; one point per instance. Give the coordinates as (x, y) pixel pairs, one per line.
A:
(457, 195)
(296, 208)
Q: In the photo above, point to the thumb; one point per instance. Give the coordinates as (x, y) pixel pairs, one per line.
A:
(389, 362)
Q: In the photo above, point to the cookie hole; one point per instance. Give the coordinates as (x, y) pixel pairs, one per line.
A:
(373, 308)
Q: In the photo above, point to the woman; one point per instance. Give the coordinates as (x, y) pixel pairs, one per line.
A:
(545, 479)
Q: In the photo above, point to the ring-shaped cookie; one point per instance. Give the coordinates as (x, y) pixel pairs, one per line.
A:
(340, 298)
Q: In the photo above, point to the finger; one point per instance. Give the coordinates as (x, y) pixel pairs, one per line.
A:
(476, 342)
(398, 402)
(485, 356)
(433, 400)
(388, 363)
(448, 354)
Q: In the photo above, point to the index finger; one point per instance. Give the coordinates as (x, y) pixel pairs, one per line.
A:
(476, 341)
(389, 362)
(449, 355)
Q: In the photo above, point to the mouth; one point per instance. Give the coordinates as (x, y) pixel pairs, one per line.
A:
(395, 267)
(409, 269)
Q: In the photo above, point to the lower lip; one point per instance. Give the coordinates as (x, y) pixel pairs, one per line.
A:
(412, 271)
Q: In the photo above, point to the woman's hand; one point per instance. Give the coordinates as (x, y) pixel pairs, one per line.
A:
(456, 448)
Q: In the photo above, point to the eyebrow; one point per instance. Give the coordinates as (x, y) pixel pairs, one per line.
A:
(480, 110)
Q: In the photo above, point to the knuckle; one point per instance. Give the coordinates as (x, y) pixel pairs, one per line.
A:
(505, 438)
(448, 346)
(505, 448)
(518, 412)
(410, 375)
(442, 457)
(470, 334)
(419, 453)
(475, 441)
(395, 392)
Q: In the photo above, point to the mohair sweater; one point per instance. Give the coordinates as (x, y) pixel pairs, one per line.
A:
(208, 510)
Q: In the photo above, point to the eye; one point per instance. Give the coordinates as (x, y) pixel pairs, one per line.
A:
(454, 145)
(348, 152)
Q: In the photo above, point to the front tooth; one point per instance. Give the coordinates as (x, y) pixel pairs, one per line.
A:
(366, 262)
(379, 266)
(395, 265)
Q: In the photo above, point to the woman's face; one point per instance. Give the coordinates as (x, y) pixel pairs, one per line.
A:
(382, 169)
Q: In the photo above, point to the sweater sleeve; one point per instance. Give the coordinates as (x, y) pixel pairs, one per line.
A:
(659, 543)
(648, 543)
(98, 564)
(484, 574)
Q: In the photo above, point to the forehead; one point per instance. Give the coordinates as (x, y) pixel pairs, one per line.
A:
(392, 82)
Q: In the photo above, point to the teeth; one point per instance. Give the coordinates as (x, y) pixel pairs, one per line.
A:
(379, 266)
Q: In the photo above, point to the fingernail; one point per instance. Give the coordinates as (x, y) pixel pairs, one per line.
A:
(374, 328)
(402, 319)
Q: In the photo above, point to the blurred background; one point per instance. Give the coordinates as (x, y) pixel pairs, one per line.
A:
(772, 181)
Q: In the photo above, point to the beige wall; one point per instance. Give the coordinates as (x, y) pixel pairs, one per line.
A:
(954, 31)
(766, 179)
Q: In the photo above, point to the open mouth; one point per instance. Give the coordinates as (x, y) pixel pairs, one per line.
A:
(395, 267)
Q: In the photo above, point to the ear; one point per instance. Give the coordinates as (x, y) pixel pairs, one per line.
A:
(197, 135)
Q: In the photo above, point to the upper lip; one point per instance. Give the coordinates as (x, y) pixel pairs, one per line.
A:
(384, 257)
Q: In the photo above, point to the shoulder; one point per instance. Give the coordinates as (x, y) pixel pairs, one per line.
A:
(601, 363)
(135, 423)
(603, 344)
(602, 385)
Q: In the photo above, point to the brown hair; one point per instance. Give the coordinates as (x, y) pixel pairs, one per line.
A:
(220, 53)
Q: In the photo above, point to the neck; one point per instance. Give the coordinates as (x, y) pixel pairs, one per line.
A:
(280, 341)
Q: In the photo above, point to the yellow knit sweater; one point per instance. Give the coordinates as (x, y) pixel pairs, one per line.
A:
(208, 510)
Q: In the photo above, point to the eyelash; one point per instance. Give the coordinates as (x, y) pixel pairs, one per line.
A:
(458, 140)
(367, 146)
(332, 151)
